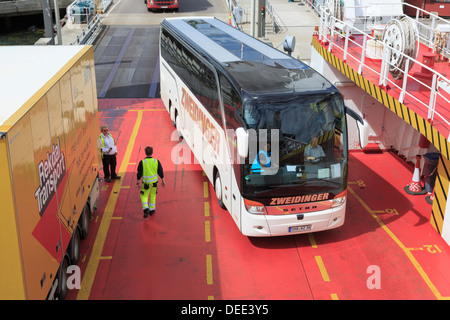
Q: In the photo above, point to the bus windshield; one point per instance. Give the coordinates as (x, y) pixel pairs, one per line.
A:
(297, 145)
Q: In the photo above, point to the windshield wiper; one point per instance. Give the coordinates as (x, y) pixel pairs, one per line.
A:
(294, 184)
(332, 182)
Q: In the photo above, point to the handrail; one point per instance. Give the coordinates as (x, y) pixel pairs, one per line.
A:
(92, 28)
(328, 32)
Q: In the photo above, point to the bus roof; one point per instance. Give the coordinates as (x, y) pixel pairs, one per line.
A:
(240, 55)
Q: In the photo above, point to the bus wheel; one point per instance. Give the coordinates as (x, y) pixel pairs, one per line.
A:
(84, 221)
(74, 250)
(218, 190)
(61, 290)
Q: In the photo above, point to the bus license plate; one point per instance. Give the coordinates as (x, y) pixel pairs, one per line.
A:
(306, 227)
(164, 7)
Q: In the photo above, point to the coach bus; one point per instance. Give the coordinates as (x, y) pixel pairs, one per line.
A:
(269, 132)
(162, 4)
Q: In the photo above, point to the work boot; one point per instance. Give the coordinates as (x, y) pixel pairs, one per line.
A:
(152, 212)
(146, 212)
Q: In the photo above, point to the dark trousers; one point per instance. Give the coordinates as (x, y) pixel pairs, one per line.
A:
(109, 166)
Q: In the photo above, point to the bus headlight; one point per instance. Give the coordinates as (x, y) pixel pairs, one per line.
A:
(339, 199)
(176, 1)
(254, 207)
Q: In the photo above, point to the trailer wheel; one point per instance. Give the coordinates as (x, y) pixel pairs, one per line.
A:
(84, 221)
(61, 290)
(74, 249)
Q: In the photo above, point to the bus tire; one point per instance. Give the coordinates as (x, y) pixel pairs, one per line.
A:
(170, 114)
(177, 124)
(218, 189)
(84, 221)
(74, 248)
(61, 290)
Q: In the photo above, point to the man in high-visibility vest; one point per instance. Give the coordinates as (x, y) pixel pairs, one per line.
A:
(109, 152)
(149, 169)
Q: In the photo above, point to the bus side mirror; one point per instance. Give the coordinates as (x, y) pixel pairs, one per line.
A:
(242, 142)
(363, 127)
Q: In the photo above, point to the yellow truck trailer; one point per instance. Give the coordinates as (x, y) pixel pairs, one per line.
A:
(49, 165)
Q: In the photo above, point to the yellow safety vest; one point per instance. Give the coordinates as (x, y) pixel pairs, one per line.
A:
(150, 170)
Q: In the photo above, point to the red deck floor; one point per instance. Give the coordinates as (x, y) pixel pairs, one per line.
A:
(192, 250)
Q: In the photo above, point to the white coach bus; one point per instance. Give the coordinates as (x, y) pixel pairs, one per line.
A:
(269, 132)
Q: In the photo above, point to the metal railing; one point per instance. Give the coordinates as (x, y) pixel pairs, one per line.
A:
(275, 21)
(86, 12)
(338, 33)
(87, 35)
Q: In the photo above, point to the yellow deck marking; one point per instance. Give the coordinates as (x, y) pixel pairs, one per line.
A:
(408, 253)
(91, 269)
(105, 257)
(205, 189)
(334, 296)
(312, 240)
(209, 275)
(207, 231)
(206, 204)
(210, 297)
(148, 110)
(322, 268)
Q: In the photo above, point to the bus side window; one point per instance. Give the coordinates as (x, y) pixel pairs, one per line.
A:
(232, 106)
(231, 103)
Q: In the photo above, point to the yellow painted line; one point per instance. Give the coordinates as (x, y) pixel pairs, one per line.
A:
(205, 189)
(207, 231)
(91, 269)
(334, 296)
(125, 187)
(116, 218)
(105, 257)
(210, 297)
(209, 275)
(132, 163)
(206, 205)
(96, 219)
(322, 268)
(83, 259)
(312, 240)
(141, 110)
(408, 253)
